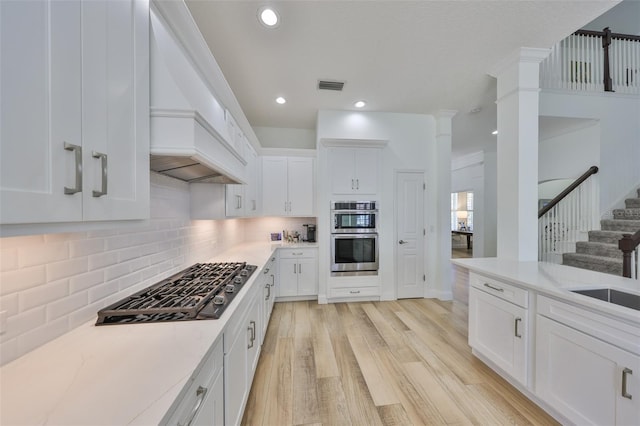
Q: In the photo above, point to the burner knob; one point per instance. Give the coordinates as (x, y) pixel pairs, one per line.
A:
(244, 272)
(230, 288)
(218, 300)
(237, 280)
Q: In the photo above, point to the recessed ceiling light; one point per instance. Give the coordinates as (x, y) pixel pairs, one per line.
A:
(495, 132)
(281, 100)
(268, 17)
(360, 104)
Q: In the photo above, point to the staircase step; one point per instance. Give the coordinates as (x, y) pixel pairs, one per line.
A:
(599, 249)
(632, 203)
(627, 214)
(593, 263)
(624, 226)
(609, 237)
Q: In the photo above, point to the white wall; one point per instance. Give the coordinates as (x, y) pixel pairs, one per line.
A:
(55, 282)
(569, 155)
(409, 136)
(277, 137)
(619, 136)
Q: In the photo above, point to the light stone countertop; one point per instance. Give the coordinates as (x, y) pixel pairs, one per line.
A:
(118, 374)
(556, 281)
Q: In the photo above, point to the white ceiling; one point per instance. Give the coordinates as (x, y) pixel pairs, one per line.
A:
(399, 56)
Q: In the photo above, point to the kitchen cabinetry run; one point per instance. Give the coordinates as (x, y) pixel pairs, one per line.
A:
(588, 380)
(298, 272)
(269, 275)
(242, 349)
(354, 170)
(203, 402)
(287, 186)
(498, 324)
(75, 111)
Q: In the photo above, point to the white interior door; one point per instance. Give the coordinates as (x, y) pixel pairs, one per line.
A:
(410, 234)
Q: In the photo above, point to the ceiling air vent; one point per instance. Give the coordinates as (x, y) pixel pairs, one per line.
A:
(330, 85)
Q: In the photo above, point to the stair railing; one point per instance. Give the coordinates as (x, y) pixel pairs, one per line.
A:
(594, 61)
(629, 246)
(568, 218)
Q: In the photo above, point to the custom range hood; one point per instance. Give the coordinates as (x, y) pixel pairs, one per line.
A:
(193, 137)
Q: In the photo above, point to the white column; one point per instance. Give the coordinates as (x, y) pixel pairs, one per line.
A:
(439, 194)
(517, 100)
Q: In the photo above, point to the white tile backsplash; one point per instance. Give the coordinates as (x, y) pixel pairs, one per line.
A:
(50, 284)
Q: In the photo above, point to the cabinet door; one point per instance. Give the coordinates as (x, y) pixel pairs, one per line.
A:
(236, 375)
(498, 330)
(300, 185)
(115, 109)
(235, 202)
(288, 285)
(342, 168)
(251, 192)
(254, 338)
(40, 110)
(366, 166)
(582, 377)
(274, 186)
(307, 277)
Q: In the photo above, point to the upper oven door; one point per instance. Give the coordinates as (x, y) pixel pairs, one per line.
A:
(354, 221)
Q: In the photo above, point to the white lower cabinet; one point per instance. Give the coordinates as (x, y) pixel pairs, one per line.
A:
(269, 292)
(203, 402)
(241, 352)
(587, 380)
(498, 329)
(298, 272)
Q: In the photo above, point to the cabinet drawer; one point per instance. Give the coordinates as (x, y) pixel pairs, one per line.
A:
(501, 289)
(616, 332)
(297, 253)
(199, 385)
(354, 292)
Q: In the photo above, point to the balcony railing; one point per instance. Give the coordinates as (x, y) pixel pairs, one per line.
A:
(594, 61)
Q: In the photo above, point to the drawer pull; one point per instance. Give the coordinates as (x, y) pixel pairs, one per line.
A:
(501, 290)
(200, 393)
(625, 373)
(355, 292)
(266, 271)
(517, 321)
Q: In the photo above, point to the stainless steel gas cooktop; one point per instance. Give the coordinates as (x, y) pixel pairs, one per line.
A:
(202, 291)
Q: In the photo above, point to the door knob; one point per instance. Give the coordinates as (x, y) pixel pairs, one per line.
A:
(402, 242)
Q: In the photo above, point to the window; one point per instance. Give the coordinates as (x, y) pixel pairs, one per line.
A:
(462, 211)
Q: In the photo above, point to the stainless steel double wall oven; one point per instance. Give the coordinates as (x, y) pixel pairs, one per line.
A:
(354, 237)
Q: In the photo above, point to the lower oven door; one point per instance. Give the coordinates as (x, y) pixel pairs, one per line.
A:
(354, 252)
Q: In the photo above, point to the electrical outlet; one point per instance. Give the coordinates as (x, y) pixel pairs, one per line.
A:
(3, 322)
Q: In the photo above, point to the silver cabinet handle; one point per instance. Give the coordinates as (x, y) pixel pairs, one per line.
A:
(253, 331)
(250, 330)
(357, 183)
(354, 291)
(253, 203)
(294, 268)
(78, 151)
(402, 242)
(240, 201)
(273, 280)
(517, 334)
(501, 290)
(285, 206)
(266, 271)
(626, 373)
(298, 254)
(103, 165)
(201, 392)
(299, 268)
(268, 287)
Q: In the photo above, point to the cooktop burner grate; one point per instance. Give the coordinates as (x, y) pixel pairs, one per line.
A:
(187, 295)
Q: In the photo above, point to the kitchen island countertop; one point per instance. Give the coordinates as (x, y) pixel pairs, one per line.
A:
(556, 281)
(117, 374)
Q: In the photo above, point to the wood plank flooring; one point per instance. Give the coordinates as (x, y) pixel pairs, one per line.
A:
(378, 363)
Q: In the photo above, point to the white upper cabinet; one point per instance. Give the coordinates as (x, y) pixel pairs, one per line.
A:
(74, 119)
(354, 170)
(287, 186)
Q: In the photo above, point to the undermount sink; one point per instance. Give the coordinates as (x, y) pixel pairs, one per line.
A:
(613, 296)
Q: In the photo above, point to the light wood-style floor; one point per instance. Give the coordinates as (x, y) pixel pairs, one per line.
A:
(378, 363)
